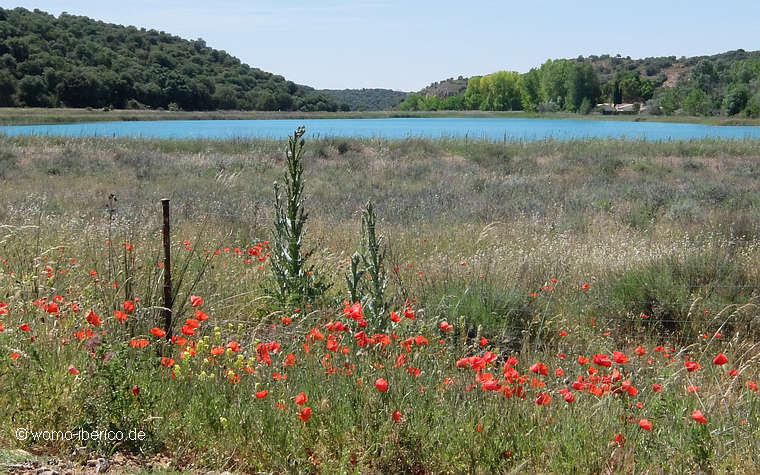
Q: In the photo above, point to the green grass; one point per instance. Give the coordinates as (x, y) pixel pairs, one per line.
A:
(495, 238)
(31, 116)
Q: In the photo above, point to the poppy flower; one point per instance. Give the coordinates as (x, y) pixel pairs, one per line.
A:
(698, 416)
(121, 316)
(166, 361)
(752, 385)
(73, 370)
(395, 317)
(217, 350)
(733, 373)
(483, 341)
(569, 397)
(381, 384)
(409, 313)
(563, 333)
(620, 439)
(721, 359)
(262, 394)
(692, 388)
(446, 326)
(640, 350)
(396, 416)
(645, 424)
(201, 315)
(692, 366)
(138, 343)
(157, 332)
(188, 330)
(286, 321)
(582, 359)
(136, 390)
(196, 301)
(539, 368)
(585, 286)
(24, 327)
(543, 399)
(305, 414)
(14, 355)
(353, 311)
(301, 399)
(657, 387)
(619, 357)
(93, 319)
(129, 306)
(600, 359)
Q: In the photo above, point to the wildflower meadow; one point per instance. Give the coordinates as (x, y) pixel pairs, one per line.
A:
(388, 306)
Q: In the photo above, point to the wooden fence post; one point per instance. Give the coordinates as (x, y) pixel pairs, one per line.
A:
(168, 299)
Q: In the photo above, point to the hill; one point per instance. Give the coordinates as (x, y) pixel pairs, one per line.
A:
(75, 61)
(722, 84)
(365, 99)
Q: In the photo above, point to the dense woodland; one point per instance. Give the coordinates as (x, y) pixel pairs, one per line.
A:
(366, 99)
(75, 61)
(723, 84)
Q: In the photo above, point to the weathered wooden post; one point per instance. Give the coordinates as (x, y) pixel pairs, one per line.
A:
(168, 300)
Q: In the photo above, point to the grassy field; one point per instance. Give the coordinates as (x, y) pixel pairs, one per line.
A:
(31, 116)
(564, 295)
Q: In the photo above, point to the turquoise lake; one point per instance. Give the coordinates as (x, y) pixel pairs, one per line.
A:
(495, 129)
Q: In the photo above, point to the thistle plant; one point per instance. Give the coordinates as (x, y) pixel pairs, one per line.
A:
(296, 281)
(367, 281)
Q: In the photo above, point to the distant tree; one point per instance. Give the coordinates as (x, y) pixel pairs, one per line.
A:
(735, 99)
(530, 89)
(697, 103)
(7, 89)
(32, 91)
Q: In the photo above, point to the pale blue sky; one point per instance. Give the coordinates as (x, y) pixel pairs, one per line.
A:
(406, 45)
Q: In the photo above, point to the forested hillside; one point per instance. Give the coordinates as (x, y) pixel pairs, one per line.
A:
(365, 99)
(75, 61)
(723, 84)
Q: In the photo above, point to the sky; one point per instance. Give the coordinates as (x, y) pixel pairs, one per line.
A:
(408, 44)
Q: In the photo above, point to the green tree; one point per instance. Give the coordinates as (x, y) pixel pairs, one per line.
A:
(697, 103)
(530, 90)
(735, 99)
(32, 91)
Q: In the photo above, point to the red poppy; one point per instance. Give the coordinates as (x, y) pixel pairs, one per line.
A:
(301, 399)
(353, 311)
(733, 373)
(543, 399)
(569, 397)
(483, 341)
(93, 319)
(262, 394)
(620, 439)
(73, 370)
(539, 368)
(305, 414)
(698, 416)
(157, 332)
(196, 301)
(752, 385)
(656, 387)
(121, 316)
(692, 388)
(381, 384)
(188, 330)
(645, 424)
(217, 350)
(395, 317)
(446, 326)
(286, 321)
(409, 313)
(619, 357)
(14, 355)
(25, 327)
(582, 359)
(129, 306)
(692, 366)
(600, 359)
(136, 390)
(563, 333)
(721, 359)
(585, 286)
(640, 350)
(201, 315)
(138, 343)
(166, 361)
(396, 416)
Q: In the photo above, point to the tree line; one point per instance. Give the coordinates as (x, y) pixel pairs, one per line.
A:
(74, 61)
(724, 84)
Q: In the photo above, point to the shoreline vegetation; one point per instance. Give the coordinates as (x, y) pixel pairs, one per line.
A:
(41, 116)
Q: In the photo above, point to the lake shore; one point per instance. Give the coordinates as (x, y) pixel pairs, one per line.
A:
(35, 116)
